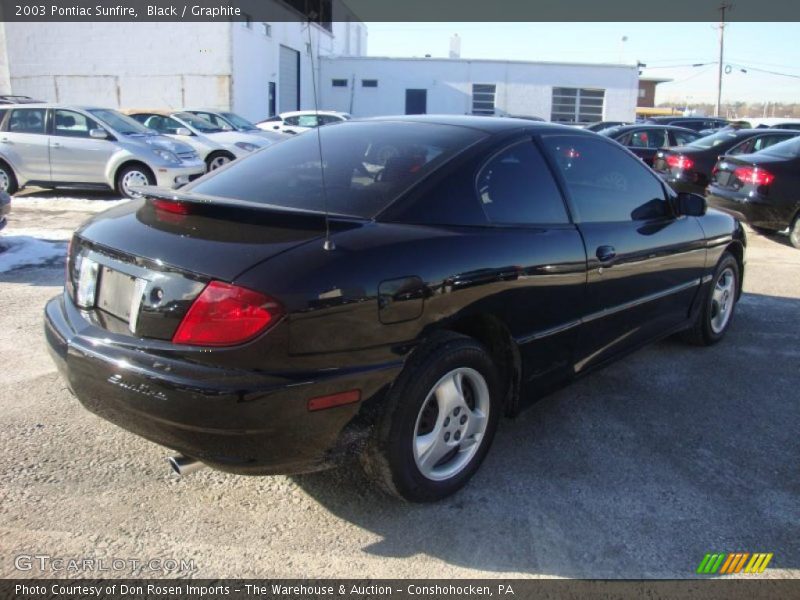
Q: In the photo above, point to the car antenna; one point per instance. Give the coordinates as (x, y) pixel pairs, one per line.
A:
(328, 244)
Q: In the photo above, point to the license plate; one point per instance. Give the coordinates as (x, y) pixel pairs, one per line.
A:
(115, 293)
(724, 177)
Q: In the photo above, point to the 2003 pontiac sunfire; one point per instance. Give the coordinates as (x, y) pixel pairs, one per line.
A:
(469, 265)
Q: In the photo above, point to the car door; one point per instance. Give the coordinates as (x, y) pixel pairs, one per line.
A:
(75, 157)
(25, 143)
(644, 264)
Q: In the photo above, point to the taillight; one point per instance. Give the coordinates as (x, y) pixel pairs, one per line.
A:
(753, 176)
(225, 315)
(679, 161)
(171, 206)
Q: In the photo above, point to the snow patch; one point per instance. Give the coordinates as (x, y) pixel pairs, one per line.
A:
(65, 203)
(18, 251)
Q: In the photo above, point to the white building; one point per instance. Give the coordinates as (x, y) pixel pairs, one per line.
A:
(254, 68)
(566, 92)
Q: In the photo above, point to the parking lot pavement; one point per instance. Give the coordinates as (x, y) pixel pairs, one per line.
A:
(635, 471)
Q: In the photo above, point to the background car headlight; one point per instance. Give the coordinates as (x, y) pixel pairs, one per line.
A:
(247, 147)
(167, 156)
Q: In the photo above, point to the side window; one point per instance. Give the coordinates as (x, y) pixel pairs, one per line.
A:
(27, 120)
(604, 182)
(159, 123)
(516, 187)
(3, 113)
(684, 137)
(307, 121)
(293, 121)
(72, 124)
(326, 119)
(745, 147)
(648, 138)
(766, 141)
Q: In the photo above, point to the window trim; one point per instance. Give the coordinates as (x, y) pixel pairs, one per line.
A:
(517, 142)
(574, 213)
(482, 100)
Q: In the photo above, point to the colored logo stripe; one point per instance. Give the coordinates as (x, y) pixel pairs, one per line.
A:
(727, 564)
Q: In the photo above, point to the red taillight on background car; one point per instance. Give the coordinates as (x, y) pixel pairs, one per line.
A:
(679, 161)
(226, 315)
(753, 176)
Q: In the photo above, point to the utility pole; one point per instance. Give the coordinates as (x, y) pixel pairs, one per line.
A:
(722, 8)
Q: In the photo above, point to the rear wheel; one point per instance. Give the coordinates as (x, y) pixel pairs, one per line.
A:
(215, 160)
(438, 423)
(8, 181)
(131, 177)
(716, 314)
(794, 232)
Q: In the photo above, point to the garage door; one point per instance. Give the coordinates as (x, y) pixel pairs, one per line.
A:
(289, 84)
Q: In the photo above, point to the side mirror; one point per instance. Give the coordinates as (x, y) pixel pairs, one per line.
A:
(184, 131)
(98, 134)
(276, 126)
(690, 205)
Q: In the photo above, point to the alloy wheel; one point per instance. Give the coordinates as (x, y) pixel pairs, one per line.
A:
(217, 162)
(5, 181)
(722, 300)
(451, 424)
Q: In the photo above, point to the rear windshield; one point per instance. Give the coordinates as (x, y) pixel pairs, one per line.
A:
(366, 165)
(787, 149)
(715, 139)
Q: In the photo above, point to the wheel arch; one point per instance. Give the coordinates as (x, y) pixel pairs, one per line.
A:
(130, 163)
(490, 331)
(736, 249)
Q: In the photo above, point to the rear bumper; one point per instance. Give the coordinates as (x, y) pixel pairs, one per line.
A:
(238, 421)
(172, 177)
(754, 211)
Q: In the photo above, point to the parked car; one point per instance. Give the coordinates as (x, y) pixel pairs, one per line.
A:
(694, 123)
(604, 125)
(762, 189)
(5, 209)
(646, 140)
(302, 120)
(216, 146)
(266, 320)
(230, 121)
(688, 168)
(12, 99)
(775, 122)
(54, 145)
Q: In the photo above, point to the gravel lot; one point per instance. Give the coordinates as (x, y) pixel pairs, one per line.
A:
(635, 471)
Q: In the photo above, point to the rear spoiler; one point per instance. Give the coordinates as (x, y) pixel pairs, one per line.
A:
(152, 192)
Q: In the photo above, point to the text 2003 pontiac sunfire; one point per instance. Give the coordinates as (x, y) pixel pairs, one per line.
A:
(471, 264)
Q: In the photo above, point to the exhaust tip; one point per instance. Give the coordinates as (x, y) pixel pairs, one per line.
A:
(183, 465)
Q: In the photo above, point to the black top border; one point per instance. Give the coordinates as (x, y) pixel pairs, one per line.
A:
(326, 11)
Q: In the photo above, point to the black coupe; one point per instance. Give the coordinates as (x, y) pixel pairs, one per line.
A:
(385, 287)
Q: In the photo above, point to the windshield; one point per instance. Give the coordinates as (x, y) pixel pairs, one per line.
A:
(198, 123)
(787, 149)
(713, 140)
(238, 122)
(120, 123)
(366, 166)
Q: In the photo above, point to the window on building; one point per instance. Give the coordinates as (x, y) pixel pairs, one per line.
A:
(339, 82)
(642, 92)
(267, 29)
(369, 83)
(317, 11)
(247, 21)
(483, 98)
(577, 105)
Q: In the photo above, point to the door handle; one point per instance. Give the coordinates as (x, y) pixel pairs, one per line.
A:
(55, 145)
(606, 255)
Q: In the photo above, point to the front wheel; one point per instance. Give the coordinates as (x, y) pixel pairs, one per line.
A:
(715, 316)
(8, 181)
(131, 178)
(794, 232)
(215, 160)
(438, 422)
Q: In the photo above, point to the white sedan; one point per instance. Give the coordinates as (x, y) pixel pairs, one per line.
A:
(302, 120)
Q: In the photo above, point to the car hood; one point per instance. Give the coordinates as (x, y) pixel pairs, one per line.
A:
(162, 142)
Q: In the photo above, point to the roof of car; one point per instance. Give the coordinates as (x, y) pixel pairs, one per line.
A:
(149, 111)
(623, 128)
(488, 124)
(680, 118)
(294, 113)
(56, 105)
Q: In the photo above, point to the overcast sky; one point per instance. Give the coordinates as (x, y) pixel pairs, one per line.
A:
(750, 46)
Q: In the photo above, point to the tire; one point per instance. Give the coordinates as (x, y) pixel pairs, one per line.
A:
(711, 323)
(215, 160)
(133, 175)
(794, 232)
(8, 181)
(413, 429)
